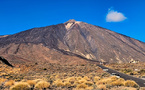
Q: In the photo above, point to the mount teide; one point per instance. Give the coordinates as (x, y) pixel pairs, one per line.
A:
(70, 42)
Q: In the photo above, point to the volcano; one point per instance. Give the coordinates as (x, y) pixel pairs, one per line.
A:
(71, 42)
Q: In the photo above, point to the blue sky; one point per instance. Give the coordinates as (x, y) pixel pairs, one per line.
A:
(20, 15)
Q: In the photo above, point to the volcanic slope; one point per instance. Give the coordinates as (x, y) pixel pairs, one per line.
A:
(70, 42)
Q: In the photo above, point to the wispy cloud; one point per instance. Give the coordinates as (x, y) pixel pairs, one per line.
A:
(114, 16)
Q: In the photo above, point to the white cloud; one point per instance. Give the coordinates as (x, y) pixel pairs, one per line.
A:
(114, 16)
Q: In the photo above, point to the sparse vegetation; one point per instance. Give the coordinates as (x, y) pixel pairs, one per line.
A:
(20, 86)
(117, 83)
(130, 83)
(134, 69)
(31, 83)
(9, 83)
(42, 85)
(101, 87)
(81, 86)
(72, 77)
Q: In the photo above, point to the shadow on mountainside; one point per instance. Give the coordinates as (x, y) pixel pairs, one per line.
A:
(5, 61)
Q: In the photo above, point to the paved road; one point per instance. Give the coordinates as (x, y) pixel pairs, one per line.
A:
(139, 81)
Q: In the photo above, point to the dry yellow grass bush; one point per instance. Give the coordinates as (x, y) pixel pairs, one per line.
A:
(89, 83)
(58, 83)
(67, 84)
(81, 86)
(82, 81)
(107, 81)
(37, 80)
(104, 81)
(89, 88)
(2, 80)
(96, 78)
(3, 74)
(79, 78)
(130, 83)
(121, 79)
(9, 83)
(117, 83)
(31, 83)
(86, 78)
(57, 76)
(42, 85)
(79, 81)
(20, 86)
(101, 87)
(76, 83)
(71, 79)
(113, 78)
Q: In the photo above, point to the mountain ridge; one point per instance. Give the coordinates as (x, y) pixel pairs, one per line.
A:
(73, 38)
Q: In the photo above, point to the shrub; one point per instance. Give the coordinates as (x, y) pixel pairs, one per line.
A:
(121, 79)
(67, 84)
(130, 83)
(58, 83)
(76, 83)
(82, 81)
(142, 71)
(31, 83)
(37, 80)
(96, 78)
(117, 83)
(113, 78)
(104, 81)
(71, 79)
(126, 70)
(42, 85)
(2, 80)
(105, 74)
(102, 87)
(86, 78)
(89, 83)
(89, 88)
(81, 86)
(20, 86)
(79, 78)
(9, 83)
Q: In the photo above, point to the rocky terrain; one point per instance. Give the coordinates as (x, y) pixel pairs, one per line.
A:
(70, 42)
(3, 36)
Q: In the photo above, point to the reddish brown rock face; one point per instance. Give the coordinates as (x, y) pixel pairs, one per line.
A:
(70, 42)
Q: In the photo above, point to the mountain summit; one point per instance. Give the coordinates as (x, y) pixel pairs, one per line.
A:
(71, 42)
(71, 21)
